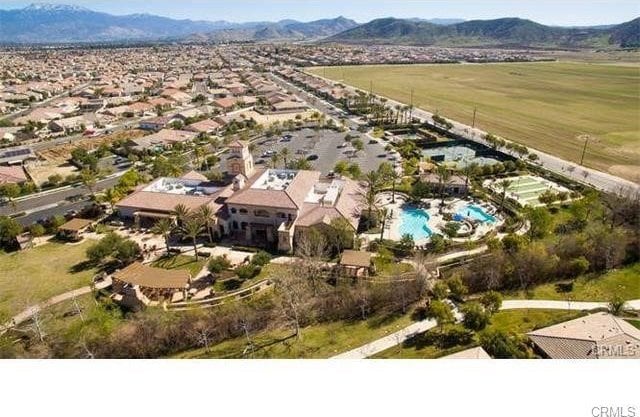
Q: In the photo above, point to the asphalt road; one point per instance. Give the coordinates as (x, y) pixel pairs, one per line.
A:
(46, 204)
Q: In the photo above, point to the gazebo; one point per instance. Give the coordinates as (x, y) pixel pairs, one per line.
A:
(355, 263)
(138, 283)
(74, 228)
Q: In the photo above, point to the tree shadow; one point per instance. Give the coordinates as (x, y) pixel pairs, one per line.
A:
(82, 266)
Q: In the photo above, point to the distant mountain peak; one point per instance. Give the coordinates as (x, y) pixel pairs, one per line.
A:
(51, 7)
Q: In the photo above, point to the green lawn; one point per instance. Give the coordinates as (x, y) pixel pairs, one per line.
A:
(624, 282)
(543, 105)
(519, 321)
(34, 275)
(635, 323)
(318, 341)
(181, 262)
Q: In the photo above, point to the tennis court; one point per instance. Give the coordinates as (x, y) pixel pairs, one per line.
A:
(527, 188)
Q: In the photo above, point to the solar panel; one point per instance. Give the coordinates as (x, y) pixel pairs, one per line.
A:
(16, 152)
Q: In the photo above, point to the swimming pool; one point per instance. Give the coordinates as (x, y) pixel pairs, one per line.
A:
(413, 221)
(476, 213)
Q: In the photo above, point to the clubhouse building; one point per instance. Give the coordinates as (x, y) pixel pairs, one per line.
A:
(259, 207)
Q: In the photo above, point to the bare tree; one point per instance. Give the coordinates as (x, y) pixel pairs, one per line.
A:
(312, 248)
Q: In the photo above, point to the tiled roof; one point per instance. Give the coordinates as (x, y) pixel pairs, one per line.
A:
(599, 335)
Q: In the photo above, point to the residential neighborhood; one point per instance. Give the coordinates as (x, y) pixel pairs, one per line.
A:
(409, 188)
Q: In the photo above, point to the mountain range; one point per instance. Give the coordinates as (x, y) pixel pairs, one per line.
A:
(506, 32)
(54, 23)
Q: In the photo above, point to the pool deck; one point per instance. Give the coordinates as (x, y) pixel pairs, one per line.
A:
(436, 220)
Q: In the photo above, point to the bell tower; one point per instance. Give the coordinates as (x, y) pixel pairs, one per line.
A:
(240, 160)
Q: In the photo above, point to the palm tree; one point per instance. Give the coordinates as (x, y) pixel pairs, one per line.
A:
(198, 153)
(394, 177)
(469, 172)
(181, 212)
(164, 227)
(504, 186)
(443, 176)
(284, 153)
(191, 228)
(372, 185)
(274, 160)
(207, 215)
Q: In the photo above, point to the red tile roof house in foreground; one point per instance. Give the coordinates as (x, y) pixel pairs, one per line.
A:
(261, 207)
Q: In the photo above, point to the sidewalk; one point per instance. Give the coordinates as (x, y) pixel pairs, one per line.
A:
(400, 336)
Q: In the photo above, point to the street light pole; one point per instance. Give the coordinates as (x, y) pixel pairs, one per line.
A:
(473, 125)
(584, 150)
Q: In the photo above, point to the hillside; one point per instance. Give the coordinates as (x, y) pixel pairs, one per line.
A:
(512, 32)
(283, 30)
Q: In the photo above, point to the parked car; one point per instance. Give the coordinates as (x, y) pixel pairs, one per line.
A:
(313, 157)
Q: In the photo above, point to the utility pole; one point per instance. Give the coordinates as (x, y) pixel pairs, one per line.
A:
(411, 101)
(584, 150)
(473, 125)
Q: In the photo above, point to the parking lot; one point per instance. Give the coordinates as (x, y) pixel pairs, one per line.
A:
(326, 145)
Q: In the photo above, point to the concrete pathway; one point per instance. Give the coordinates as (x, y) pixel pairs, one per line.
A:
(400, 336)
(27, 313)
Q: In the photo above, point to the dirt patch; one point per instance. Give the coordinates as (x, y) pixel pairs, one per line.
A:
(40, 171)
(630, 172)
(267, 119)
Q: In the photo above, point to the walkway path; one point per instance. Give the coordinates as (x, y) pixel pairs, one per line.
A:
(27, 313)
(400, 336)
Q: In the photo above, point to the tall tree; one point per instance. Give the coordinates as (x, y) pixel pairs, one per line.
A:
(164, 227)
(181, 212)
(207, 215)
(444, 174)
(191, 228)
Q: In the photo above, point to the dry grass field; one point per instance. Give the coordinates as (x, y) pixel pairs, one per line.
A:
(548, 106)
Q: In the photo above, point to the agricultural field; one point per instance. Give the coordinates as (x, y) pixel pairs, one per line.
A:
(548, 106)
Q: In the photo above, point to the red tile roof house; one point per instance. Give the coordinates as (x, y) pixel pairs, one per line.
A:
(226, 104)
(280, 205)
(207, 126)
(261, 207)
(155, 123)
(12, 175)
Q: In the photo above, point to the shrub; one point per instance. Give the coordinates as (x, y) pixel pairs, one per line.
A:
(219, 264)
(457, 288)
(440, 290)
(37, 230)
(261, 258)
(492, 301)
(504, 345)
(475, 316)
(245, 272)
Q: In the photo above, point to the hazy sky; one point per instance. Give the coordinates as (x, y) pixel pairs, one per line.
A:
(551, 12)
